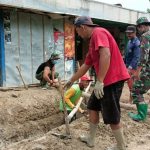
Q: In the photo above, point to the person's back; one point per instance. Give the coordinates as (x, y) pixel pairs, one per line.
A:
(43, 65)
(73, 94)
(117, 69)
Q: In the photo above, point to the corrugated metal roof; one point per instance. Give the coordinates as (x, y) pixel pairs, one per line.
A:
(90, 8)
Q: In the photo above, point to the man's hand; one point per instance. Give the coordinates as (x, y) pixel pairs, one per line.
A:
(137, 73)
(98, 89)
(129, 71)
(55, 81)
(68, 85)
(82, 111)
(50, 81)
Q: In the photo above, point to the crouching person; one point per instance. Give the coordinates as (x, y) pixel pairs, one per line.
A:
(46, 71)
(73, 94)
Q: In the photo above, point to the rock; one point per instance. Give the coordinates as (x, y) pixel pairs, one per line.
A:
(141, 141)
(15, 95)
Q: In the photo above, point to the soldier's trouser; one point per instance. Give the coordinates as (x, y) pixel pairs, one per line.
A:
(140, 87)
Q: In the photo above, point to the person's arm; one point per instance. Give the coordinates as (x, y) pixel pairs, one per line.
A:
(79, 109)
(70, 93)
(83, 69)
(53, 73)
(144, 52)
(104, 63)
(46, 74)
(144, 48)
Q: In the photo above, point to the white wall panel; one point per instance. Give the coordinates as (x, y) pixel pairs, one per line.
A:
(98, 12)
(143, 15)
(59, 47)
(124, 16)
(48, 38)
(31, 44)
(133, 17)
(12, 54)
(25, 47)
(36, 43)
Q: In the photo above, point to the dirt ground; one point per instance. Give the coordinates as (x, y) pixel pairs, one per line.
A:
(28, 117)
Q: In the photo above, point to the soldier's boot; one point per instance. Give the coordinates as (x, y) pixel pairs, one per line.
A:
(118, 134)
(142, 109)
(90, 138)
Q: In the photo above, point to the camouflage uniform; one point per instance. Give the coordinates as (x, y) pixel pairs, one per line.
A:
(142, 85)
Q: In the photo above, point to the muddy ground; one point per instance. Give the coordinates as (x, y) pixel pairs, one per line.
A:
(28, 117)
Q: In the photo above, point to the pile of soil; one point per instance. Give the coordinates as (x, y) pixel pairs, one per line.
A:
(28, 117)
(28, 113)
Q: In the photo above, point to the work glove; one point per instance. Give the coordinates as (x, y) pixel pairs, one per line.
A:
(98, 89)
(68, 85)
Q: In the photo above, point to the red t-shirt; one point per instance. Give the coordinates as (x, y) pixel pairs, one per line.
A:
(117, 70)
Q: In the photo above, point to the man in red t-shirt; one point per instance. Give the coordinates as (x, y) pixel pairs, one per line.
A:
(111, 73)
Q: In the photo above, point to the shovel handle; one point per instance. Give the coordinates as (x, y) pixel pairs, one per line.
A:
(64, 107)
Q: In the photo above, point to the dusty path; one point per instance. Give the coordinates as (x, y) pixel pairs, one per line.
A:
(27, 118)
